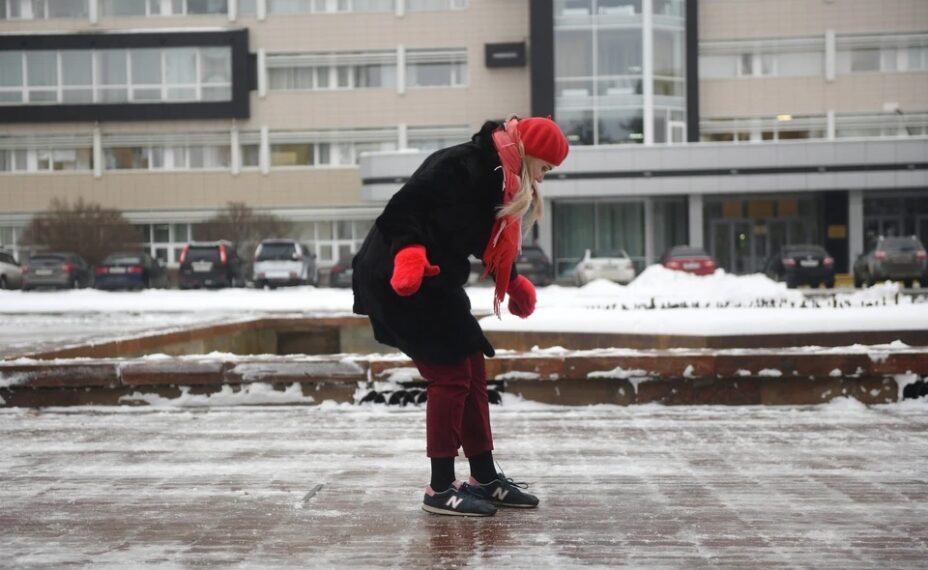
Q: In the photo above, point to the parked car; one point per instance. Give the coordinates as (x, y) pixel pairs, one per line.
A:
(534, 264)
(11, 274)
(690, 259)
(129, 271)
(210, 264)
(281, 262)
(893, 258)
(340, 274)
(614, 265)
(56, 271)
(804, 264)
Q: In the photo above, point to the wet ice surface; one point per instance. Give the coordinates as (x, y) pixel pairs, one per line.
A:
(832, 486)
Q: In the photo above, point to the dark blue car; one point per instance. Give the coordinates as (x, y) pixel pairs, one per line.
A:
(131, 271)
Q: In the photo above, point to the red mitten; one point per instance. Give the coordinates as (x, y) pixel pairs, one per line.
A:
(521, 297)
(409, 267)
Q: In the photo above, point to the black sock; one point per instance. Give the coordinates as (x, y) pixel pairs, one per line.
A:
(442, 473)
(482, 468)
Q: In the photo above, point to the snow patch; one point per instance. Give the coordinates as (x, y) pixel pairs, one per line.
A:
(770, 372)
(14, 379)
(399, 375)
(903, 380)
(247, 394)
(517, 375)
(618, 373)
(844, 404)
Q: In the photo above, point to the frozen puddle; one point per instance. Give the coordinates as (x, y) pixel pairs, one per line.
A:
(833, 486)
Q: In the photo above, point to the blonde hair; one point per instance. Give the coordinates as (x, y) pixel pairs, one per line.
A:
(527, 201)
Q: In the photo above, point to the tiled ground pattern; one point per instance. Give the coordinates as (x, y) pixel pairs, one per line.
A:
(835, 486)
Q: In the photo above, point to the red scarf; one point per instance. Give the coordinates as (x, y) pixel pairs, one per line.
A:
(506, 237)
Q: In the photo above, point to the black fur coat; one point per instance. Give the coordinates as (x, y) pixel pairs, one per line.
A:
(448, 205)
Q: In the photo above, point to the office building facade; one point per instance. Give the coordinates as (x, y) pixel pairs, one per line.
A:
(737, 125)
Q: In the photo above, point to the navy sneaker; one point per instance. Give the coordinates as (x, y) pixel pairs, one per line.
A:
(461, 501)
(505, 492)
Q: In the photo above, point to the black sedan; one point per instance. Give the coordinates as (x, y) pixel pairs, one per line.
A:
(534, 264)
(132, 271)
(894, 259)
(804, 264)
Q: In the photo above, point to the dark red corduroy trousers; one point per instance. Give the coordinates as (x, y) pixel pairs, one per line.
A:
(457, 412)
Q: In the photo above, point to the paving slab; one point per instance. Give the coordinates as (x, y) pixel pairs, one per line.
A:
(840, 485)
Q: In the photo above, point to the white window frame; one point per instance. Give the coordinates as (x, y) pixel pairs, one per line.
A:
(96, 87)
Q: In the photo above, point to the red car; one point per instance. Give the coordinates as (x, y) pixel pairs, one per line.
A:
(690, 259)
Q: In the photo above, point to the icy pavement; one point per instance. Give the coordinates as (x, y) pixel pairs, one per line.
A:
(30, 333)
(833, 486)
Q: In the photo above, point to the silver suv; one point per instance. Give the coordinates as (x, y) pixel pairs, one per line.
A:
(895, 259)
(11, 275)
(281, 262)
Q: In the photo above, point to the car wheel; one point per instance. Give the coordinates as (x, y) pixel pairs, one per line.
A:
(3, 283)
(830, 284)
(907, 283)
(791, 283)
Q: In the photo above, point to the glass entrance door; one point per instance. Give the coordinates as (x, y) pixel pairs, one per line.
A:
(742, 246)
(732, 244)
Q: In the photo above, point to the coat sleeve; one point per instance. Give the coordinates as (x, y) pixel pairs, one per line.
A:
(439, 184)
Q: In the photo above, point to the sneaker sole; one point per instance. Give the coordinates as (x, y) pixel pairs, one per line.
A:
(510, 506)
(438, 511)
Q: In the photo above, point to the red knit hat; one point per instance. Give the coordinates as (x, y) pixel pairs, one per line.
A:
(542, 138)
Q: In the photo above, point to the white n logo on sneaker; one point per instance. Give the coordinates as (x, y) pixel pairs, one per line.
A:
(454, 502)
(499, 494)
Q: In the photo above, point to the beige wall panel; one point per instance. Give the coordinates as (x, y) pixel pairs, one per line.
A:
(504, 93)
(729, 19)
(803, 96)
(205, 190)
(485, 20)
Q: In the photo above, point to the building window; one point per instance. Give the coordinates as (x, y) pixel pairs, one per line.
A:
(304, 154)
(743, 129)
(285, 7)
(435, 5)
(9, 240)
(142, 75)
(605, 225)
(436, 68)
(43, 9)
(167, 157)
(164, 241)
(882, 53)
(334, 241)
(917, 58)
(756, 64)
(317, 152)
(49, 159)
(120, 8)
(865, 60)
(339, 70)
(896, 124)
